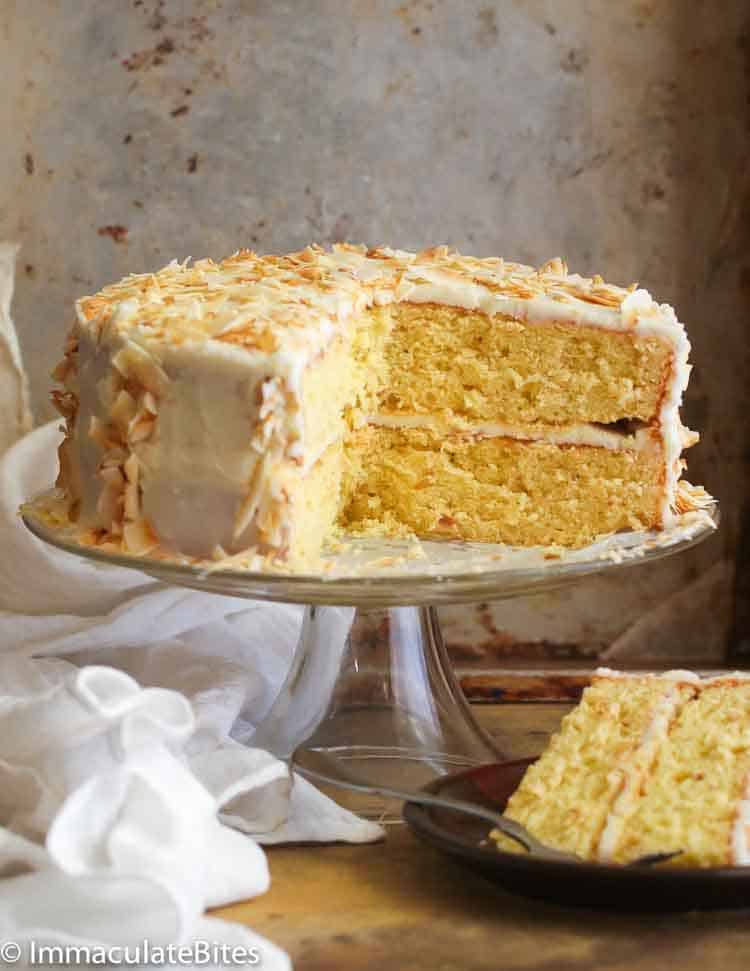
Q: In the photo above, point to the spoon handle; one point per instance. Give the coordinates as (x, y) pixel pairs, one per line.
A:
(301, 761)
(317, 766)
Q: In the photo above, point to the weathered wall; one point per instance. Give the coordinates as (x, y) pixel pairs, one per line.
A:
(614, 134)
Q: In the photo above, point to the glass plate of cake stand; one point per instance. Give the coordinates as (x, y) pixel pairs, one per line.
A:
(370, 686)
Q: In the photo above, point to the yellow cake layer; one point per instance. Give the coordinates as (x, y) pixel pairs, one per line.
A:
(329, 387)
(483, 368)
(565, 797)
(496, 489)
(346, 382)
(315, 498)
(690, 800)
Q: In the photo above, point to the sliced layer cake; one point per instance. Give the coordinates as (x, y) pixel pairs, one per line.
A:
(259, 404)
(646, 764)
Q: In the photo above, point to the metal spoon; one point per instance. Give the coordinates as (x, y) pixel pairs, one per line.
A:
(317, 766)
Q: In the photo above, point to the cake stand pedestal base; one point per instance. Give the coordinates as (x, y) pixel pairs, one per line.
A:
(373, 690)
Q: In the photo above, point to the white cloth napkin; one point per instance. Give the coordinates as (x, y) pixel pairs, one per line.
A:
(108, 837)
(15, 414)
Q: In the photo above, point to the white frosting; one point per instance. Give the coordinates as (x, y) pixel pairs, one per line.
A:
(473, 285)
(689, 677)
(197, 470)
(727, 676)
(740, 838)
(671, 426)
(539, 309)
(196, 467)
(583, 433)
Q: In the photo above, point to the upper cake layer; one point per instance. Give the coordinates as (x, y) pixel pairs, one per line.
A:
(282, 312)
(279, 314)
(457, 362)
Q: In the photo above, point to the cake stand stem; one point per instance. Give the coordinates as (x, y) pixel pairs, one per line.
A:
(375, 691)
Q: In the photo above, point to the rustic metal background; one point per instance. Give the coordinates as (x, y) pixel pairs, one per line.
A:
(614, 134)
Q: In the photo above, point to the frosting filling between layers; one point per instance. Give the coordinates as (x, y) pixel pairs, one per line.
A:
(616, 437)
(638, 768)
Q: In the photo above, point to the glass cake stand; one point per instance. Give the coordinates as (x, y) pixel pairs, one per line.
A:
(370, 686)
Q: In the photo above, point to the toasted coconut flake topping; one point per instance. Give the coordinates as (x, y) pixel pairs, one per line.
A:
(689, 498)
(295, 302)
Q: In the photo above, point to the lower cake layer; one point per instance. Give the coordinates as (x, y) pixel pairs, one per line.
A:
(496, 489)
(315, 501)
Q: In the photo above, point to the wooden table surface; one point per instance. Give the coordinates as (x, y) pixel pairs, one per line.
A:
(404, 906)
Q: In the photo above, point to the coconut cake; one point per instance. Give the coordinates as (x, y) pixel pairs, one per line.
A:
(258, 405)
(646, 764)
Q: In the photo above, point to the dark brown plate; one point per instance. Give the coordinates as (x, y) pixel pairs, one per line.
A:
(598, 885)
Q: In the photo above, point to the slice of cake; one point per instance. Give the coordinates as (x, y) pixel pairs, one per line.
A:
(257, 405)
(646, 764)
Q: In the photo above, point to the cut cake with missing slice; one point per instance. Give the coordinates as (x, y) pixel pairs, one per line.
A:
(253, 407)
(646, 764)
